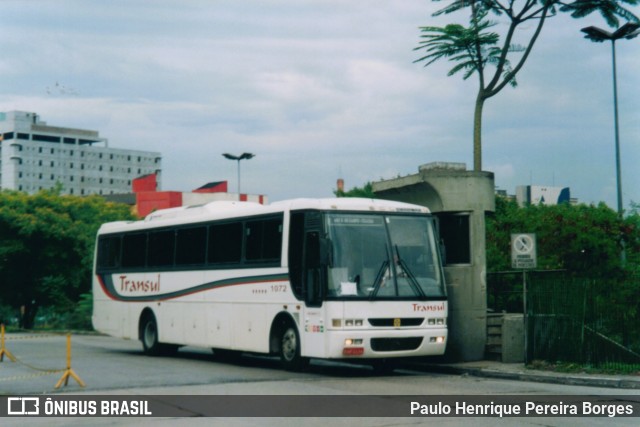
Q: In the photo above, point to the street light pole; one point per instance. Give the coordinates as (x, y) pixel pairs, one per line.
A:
(595, 34)
(243, 156)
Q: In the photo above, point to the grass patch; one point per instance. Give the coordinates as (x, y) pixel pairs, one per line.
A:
(610, 368)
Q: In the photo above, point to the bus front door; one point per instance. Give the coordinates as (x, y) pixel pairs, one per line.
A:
(313, 322)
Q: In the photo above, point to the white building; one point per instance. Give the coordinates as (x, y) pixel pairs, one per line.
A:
(35, 156)
(542, 195)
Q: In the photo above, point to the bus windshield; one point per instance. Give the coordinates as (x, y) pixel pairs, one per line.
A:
(384, 256)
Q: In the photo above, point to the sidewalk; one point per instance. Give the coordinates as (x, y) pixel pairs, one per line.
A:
(518, 372)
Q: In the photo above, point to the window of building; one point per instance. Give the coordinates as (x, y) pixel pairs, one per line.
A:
(455, 234)
(45, 138)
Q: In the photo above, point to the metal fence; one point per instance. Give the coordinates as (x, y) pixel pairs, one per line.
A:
(589, 321)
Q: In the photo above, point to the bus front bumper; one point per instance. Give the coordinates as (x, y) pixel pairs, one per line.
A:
(370, 344)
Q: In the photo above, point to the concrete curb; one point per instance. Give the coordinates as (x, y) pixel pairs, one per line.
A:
(549, 378)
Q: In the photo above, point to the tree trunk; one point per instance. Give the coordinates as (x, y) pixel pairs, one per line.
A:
(477, 133)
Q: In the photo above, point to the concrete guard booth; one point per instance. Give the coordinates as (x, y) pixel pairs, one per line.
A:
(460, 199)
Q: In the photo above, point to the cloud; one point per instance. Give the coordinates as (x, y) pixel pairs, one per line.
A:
(316, 89)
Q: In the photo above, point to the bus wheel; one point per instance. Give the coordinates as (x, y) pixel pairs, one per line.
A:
(149, 336)
(290, 349)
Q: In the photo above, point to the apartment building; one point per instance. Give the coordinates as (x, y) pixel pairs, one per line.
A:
(35, 156)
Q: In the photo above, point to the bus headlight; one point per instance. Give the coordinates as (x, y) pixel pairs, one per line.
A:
(353, 347)
(436, 321)
(437, 340)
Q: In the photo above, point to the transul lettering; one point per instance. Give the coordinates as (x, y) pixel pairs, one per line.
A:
(425, 307)
(127, 285)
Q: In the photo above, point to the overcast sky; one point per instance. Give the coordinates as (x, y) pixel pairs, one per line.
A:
(317, 89)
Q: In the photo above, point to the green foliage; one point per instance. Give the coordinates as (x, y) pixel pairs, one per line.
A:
(366, 192)
(582, 239)
(472, 48)
(46, 250)
(590, 304)
(80, 317)
(567, 367)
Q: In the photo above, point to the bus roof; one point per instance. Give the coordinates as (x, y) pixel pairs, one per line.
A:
(235, 209)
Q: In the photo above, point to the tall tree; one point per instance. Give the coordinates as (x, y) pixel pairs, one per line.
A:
(477, 49)
(46, 248)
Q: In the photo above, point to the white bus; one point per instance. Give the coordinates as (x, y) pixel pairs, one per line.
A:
(343, 278)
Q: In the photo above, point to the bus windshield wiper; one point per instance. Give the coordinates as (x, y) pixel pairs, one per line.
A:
(379, 278)
(412, 279)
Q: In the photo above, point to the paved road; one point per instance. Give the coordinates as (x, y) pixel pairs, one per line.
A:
(117, 367)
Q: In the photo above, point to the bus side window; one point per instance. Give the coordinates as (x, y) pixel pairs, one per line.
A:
(263, 240)
(109, 252)
(225, 243)
(191, 246)
(161, 248)
(134, 250)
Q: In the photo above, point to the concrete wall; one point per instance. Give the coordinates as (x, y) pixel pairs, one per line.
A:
(451, 189)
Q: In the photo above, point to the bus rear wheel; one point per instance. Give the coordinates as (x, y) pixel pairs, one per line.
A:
(289, 346)
(149, 337)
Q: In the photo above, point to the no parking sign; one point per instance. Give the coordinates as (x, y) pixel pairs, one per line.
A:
(523, 251)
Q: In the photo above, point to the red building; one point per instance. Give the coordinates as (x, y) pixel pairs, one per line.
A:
(146, 198)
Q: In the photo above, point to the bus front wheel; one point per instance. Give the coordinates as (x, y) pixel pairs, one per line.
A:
(290, 349)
